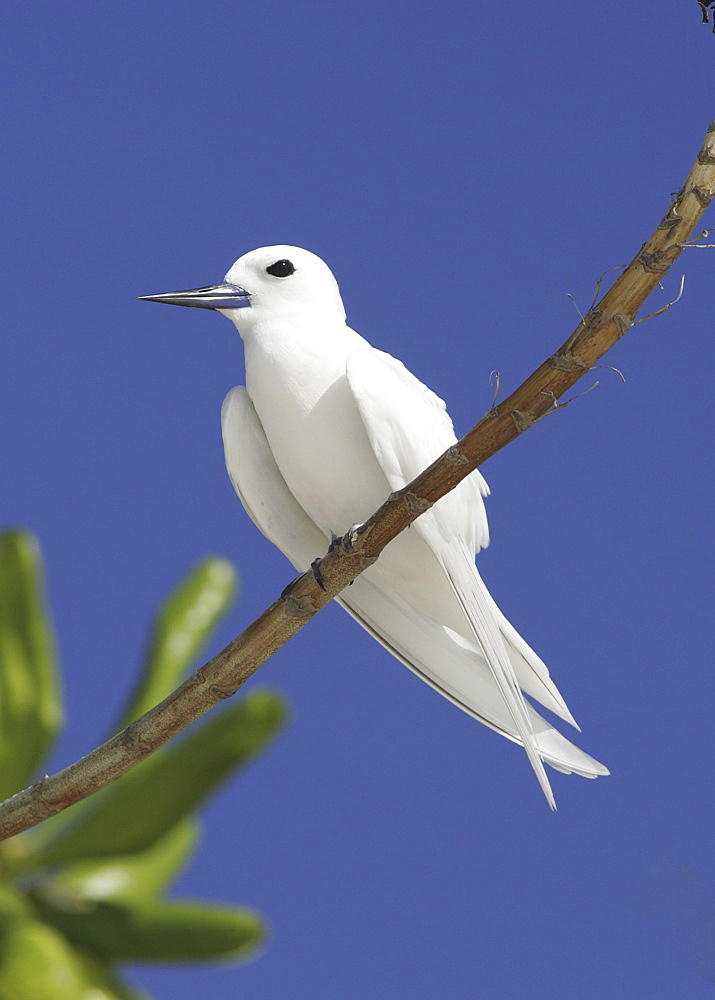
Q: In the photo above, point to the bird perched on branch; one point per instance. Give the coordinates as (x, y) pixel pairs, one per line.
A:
(324, 430)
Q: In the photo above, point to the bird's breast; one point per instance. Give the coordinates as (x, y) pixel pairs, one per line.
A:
(303, 400)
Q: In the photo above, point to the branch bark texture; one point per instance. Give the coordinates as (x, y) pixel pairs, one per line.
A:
(221, 677)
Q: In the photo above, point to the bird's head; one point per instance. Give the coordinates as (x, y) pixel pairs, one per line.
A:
(268, 283)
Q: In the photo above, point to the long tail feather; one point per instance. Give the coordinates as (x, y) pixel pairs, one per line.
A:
(455, 668)
(463, 578)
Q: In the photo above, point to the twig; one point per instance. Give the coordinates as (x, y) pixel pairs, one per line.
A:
(597, 289)
(666, 307)
(496, 383)
(575, 305)
(701, 236)
(616, 370)
(556, 405)
(600, 329)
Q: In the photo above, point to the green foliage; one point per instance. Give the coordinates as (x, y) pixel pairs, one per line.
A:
(183, 625)
(30, 705)
(86, 891)
(148, 801)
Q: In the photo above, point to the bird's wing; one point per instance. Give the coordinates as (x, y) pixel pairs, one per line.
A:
(418, 641)
(456, 668)
(408, 428)
(260, 486)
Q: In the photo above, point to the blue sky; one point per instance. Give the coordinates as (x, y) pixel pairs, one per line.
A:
(462, 168)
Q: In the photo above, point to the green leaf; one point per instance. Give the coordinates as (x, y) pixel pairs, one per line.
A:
(183, 625)
(106, 980)
(129, 877)
(158, 932)
(37, 963)
(134, 812)
(30, 705)
(13, 906)
(18, 737)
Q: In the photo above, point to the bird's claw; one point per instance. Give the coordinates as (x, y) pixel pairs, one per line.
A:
(347, 541)
(315, 568)
(350, 536)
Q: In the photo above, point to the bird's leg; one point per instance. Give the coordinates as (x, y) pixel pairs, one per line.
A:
(347, 541)
(315, 568)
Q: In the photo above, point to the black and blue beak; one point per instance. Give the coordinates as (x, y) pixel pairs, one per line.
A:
(224, 296)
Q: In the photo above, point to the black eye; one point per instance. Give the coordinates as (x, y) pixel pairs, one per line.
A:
(281, 269)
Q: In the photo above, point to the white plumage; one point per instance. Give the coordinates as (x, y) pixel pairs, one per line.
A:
(324, 430)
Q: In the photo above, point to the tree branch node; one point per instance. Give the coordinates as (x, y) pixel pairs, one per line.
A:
(704, 195)
(46, 806)
(670, 221)
(522, 421)
(589, 320)
(418, 505)
(623, 324)
(455, 456)
(221, 693)
(131, 740)
(566, 362)
(198, 677)
(654, 262)
(299, 607)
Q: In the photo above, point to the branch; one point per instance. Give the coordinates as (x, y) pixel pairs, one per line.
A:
(598, 331)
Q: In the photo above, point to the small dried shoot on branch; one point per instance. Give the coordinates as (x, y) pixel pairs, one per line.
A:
(604, 324)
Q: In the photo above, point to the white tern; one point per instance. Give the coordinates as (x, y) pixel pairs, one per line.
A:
(324, 430)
